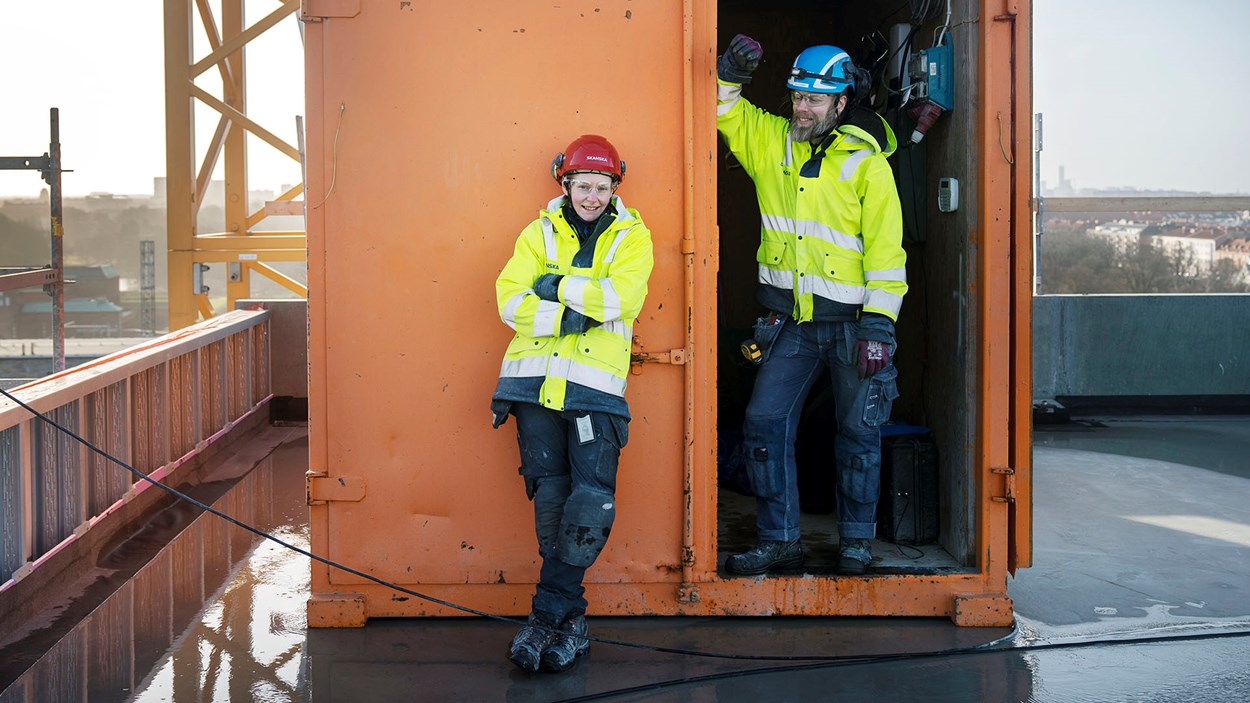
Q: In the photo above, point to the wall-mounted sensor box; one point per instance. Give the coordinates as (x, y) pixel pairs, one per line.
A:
(948, 194)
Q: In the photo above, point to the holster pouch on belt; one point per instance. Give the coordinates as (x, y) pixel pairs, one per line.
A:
(756, 349)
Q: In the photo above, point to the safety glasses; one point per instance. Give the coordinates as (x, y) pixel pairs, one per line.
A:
(812, 99)
(586, 188)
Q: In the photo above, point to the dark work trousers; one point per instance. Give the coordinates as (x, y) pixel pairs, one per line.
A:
(772, 425)
(568, 461)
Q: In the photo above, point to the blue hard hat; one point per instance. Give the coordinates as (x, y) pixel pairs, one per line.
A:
(822, 69)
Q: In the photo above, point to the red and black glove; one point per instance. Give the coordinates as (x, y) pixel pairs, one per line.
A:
(872, 356)
(740, 60)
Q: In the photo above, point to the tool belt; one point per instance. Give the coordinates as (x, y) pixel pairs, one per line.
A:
(756, 349)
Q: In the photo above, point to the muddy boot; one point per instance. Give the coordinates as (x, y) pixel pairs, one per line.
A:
(766, 556)
(569, 644)
(527, 646)
(854, 556)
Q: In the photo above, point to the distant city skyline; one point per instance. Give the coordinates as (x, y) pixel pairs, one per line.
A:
(1131, 92)
(102, 64)
(1142, 93)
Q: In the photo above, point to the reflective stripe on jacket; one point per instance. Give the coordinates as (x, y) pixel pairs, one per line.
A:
(610, 291)
(838, 234)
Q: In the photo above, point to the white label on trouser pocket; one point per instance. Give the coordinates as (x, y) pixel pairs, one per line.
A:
(585, 430)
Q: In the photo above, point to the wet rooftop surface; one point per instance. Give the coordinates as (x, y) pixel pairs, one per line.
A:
(1141, 533)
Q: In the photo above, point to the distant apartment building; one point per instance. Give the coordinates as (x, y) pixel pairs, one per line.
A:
(1238, 252)
(92, 306)
(9, 308)
(1195, 245)
(1123, 234)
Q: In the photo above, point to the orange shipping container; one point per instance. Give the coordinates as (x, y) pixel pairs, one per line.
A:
(430, 128)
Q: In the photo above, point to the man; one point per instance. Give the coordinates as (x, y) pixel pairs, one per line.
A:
(831, 267)
(572, 289)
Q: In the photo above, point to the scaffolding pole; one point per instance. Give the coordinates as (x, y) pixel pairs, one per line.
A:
(51, 277)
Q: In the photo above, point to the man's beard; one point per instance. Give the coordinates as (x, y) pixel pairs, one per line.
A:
(819, 128)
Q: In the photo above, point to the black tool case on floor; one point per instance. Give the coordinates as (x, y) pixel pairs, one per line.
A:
(908, 510)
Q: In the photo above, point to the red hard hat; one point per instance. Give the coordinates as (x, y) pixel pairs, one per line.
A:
(588, 153)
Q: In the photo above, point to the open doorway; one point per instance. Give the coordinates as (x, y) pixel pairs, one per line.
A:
(935, 326)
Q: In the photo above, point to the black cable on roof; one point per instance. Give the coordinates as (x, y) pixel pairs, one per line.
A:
(815, 661)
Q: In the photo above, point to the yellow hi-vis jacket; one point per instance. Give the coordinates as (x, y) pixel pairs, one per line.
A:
(610, 291)
(838, 235)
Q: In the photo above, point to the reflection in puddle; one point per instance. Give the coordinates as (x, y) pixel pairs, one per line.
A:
(155, 639)
(248, 644)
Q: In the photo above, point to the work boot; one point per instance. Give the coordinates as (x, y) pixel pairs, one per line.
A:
(854, 556)
(527, 647)
(766, 556)
(569, 644)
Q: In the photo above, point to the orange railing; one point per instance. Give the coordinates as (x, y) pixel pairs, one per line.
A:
(154, 406)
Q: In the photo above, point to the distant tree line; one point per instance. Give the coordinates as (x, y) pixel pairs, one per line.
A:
(112, 236)
(1075, 262)
(1072, 261)
(91, 238)
(98, 237)
(23, 243)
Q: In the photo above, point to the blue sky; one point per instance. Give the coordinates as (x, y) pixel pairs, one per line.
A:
(1145, 93)
(1142, 93)
(102, 64)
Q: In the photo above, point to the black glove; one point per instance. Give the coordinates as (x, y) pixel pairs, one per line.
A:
(574, 322)
(547, 287)
(739, 60)
(499, 410)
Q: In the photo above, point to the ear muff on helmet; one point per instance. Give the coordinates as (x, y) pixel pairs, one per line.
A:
(863, 83)
(556, 163)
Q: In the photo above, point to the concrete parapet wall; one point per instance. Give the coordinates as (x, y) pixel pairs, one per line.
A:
(1140, 345)
(288, 344)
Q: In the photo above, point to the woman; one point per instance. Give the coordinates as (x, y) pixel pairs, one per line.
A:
(572, 290)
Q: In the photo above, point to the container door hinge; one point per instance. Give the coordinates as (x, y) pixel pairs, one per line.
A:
(323, 488)
(687, 593)
(318, 10)
(1010, 475)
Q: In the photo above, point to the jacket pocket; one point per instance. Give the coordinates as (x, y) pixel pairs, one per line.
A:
(774, 254)
(529, 346)
(620, 429)
(607, 349)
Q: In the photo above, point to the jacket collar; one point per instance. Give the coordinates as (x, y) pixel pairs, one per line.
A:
(864, 129)
(623, 215)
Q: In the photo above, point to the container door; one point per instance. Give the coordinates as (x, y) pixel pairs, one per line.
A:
(1020, 515)
(432, 128)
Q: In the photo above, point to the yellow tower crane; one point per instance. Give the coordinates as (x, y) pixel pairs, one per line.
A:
(240, 250)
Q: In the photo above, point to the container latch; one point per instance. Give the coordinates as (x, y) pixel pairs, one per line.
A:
(318, 10)
(323, 488)
(639, 356)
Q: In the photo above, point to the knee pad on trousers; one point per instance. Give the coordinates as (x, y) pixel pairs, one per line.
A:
(859, 477)
(550, 495)
(765, 443)
(588, 517)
